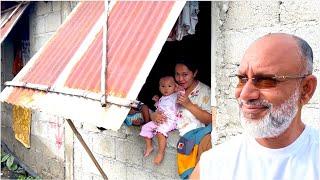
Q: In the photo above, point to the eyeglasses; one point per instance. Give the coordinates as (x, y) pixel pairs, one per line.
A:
(265, 81)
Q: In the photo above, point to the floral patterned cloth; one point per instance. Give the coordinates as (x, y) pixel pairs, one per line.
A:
(201, 97)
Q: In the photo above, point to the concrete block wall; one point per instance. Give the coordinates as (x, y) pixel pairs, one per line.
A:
(45, 19)
(121, 155)
(46, 155)
(240, 23)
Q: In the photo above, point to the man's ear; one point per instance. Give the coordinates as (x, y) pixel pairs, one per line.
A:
(309, 85)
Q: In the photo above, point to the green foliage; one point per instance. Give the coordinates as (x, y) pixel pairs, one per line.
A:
(4, 158)
(8, 161)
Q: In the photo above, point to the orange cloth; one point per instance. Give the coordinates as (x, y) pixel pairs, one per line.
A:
(21, 124)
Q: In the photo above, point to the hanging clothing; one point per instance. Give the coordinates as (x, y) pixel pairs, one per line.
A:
(21, 121)
(186, 23)
(25, 51)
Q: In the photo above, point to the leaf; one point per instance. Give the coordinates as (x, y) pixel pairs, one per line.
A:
(10, 161)
(4, 158)
(21, 177)
(37, 178)
(13, 167)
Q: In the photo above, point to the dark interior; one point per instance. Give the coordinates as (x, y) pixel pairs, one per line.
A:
(197, 46)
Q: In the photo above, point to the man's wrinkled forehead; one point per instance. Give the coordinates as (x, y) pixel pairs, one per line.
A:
(271, 53)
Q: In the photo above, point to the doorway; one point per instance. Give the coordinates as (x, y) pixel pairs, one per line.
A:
(197, 47)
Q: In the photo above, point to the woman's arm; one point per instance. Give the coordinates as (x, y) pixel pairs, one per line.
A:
(199, 113)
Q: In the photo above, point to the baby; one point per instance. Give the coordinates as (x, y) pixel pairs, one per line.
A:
(167, 105)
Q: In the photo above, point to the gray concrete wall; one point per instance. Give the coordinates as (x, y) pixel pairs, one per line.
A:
(240, 23)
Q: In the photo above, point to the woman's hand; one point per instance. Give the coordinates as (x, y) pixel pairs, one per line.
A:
(183, 100)
(158, 117)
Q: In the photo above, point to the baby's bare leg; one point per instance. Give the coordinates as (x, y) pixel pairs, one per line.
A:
(149, 147)
(162, 142)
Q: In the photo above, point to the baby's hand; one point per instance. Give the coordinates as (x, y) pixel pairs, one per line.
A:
(180, 89)
(155, 98)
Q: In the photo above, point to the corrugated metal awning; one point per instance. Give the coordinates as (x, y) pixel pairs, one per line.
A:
(67, 71)
(10, 18)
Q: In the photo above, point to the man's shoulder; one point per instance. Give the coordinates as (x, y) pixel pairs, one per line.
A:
(314, 134)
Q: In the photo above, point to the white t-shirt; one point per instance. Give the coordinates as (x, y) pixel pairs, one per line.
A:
(245, 159)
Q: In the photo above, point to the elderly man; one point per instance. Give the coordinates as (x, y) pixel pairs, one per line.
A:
(275, 81)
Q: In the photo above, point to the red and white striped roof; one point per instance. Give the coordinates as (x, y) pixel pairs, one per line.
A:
(71, 60)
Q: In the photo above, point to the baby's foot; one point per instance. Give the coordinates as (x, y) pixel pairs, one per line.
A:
(157, 160)
(148, 151)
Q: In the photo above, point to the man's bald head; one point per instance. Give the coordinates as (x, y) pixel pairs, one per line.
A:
(302, 48)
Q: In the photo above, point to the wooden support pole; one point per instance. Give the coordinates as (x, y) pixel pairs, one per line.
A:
(78, 135)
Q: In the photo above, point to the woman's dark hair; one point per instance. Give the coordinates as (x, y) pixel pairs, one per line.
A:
(187, 61)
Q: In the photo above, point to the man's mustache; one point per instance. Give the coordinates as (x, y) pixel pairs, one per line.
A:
(258, 102)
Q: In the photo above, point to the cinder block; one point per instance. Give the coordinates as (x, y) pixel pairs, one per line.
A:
(40, 41)
(173, 138)
(88, 165)
(56, 5)
(38, 25)
(78, 153)
(43, 145)
(56, 168)
(104, 145)
(87, 137)
(53, 21)
(167, 167)
(162, 177)
(129, 152)
(244, 14)
(297, 11)
(20, 151)
(30, 160)
(46, 175)
(115, 169)
(42, 8)
(138, 173)
(7, 136)
(6, 115)
(97, 177)
(38, 128)
(117, 134)
(130, 130)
